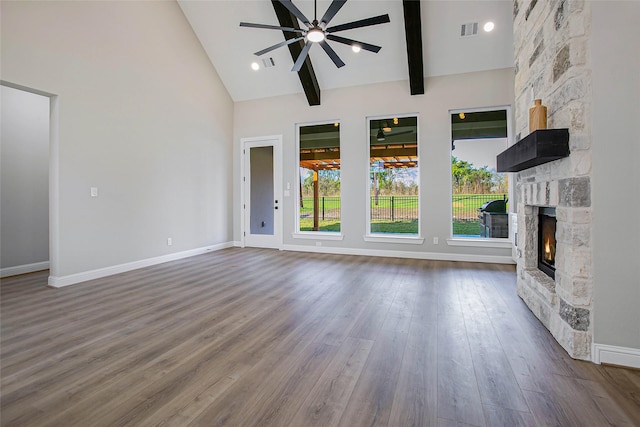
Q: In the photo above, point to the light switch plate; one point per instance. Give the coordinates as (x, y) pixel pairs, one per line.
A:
(94, 191)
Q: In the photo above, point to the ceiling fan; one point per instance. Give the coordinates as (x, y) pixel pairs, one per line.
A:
(319, 32)
(387, 132)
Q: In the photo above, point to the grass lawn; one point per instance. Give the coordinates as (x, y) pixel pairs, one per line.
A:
(306, 224)
(467, 228)
(399, 227)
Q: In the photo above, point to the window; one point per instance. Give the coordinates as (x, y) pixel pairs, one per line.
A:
(479, 192)
(319, 189)
(393, 176)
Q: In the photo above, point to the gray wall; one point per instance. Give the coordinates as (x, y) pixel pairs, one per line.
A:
(351, 106)
(142, 115)
(24, 204)
(616, 177)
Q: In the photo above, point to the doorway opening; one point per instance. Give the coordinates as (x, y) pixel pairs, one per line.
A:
(29, 181)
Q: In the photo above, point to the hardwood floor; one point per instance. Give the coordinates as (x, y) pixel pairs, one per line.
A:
(252, 337)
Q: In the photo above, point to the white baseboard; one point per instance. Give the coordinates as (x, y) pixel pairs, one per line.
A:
(60, 281)
(614, 355)
(23, 269)
(436, 256)
(237, 244)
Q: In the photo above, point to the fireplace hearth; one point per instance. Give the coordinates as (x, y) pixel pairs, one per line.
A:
(547, 241)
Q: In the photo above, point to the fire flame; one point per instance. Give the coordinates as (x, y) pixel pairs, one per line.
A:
(548, 256)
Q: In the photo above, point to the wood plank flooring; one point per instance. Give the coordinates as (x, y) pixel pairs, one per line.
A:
(255, 337)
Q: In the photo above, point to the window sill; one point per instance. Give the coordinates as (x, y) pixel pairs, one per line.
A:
(395, 238)
(480, 242)
(318, 235)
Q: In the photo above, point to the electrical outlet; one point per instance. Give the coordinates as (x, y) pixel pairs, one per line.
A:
(169, 241)
(435, 240)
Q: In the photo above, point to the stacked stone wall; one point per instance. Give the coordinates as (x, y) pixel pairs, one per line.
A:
(552, 51)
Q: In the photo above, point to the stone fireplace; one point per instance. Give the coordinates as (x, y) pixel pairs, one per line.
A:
(552, 63)
(563, 302)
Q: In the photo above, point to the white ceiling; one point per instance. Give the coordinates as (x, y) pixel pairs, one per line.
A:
(230, 47)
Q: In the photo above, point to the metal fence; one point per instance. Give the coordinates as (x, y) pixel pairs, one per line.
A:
(465, 206)
(394, 208)
(399, 208)
(328, 207)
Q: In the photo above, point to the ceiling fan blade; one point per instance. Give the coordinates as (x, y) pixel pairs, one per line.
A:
(359, 24)
(351, 42)
(293, 9)
(332, 54)
(275, 46)
(334, 7)
(303, 55)
(391, 134)
(404, 132)
(271, 27)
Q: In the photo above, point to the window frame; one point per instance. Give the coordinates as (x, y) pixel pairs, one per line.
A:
(415, 239)
(486, 242)
(314, 235)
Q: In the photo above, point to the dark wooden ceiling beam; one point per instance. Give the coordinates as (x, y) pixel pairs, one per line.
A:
(306, 74)
(413, 33)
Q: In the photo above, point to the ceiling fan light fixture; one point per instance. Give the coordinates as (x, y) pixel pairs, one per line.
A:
(255, 66)
(315, 35)
(356, 48)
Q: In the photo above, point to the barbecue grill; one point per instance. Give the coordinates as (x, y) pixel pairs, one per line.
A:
(494, 221)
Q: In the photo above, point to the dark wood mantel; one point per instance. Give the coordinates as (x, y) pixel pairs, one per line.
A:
(539, 147)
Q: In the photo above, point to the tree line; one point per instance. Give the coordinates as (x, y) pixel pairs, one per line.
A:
(466, 179)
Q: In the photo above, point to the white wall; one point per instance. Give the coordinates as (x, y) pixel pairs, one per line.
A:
(143, 116)
(351, 106)
(616, 176)
(24, 204)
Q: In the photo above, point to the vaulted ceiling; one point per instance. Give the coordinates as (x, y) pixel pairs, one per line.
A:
(230, 47)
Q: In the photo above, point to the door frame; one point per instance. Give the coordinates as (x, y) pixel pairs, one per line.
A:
(54, 180)
(274, 141)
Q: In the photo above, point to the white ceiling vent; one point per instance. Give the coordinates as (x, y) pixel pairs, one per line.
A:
(470, 29)
(268, 62)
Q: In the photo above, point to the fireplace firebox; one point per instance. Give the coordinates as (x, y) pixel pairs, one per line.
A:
(547, 241)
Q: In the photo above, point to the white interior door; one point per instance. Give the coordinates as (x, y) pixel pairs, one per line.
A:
(262, 192)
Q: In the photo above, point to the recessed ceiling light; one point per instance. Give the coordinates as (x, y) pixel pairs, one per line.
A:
(255, 66)
(356, 48)
(488, 26)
